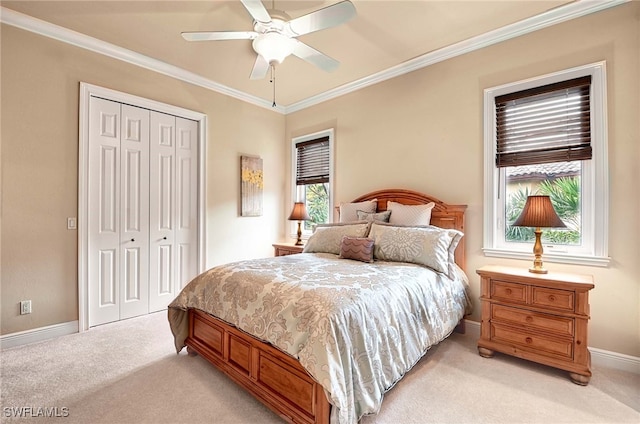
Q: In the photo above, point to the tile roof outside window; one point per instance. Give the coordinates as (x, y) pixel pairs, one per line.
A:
(557, 169)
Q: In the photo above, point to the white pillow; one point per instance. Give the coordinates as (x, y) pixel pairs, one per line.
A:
(410, 214)
(426, 246)
(327, 238)
(349, 211)
(455, 235)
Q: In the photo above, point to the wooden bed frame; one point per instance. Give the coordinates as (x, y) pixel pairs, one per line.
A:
(272, 376)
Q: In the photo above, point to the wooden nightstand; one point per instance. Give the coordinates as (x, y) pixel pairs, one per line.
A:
(539, 317)
(283, 249)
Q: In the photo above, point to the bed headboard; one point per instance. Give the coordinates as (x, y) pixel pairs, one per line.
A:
(443, 215)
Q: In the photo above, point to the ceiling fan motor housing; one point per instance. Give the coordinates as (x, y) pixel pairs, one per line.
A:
(273, 46)
(274, 42)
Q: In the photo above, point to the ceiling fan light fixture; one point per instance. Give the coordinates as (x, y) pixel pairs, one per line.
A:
(273, 47)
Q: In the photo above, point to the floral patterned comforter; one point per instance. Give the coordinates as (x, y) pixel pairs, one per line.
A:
(356, 327)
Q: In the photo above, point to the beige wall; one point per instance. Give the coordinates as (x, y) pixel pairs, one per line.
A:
(424, 131)
(421, 131)
(39, 165)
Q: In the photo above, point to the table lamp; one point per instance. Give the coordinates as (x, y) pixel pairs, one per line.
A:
(299, 213)
(538, 212)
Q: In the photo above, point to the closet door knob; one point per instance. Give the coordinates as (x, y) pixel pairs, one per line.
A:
(164, 238)
(133, 239)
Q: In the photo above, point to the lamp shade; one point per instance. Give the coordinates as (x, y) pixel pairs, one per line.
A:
(273, 47)
(538, 212)
(299, 212)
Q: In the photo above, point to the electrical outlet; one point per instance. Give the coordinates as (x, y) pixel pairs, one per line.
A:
(25, 307)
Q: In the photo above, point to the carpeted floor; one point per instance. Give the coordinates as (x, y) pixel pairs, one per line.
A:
(128, 372)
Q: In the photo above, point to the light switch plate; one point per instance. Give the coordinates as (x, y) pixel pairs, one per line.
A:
(71, 224)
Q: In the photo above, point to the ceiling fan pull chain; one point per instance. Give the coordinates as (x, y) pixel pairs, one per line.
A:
(273, 81)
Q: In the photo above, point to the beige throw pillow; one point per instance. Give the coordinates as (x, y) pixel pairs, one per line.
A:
(327, 238)
(426, 246)
(374, 216)
(410, 214)
(349, 211)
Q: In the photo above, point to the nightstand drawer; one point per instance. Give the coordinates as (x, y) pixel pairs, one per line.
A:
(511, 292)
(283, 249)
(543, 345)
(545, 322)
(283, 252)
(553, 298)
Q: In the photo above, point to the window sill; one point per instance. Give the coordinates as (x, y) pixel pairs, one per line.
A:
(600, 261)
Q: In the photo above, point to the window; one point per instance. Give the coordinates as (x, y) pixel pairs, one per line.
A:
(547, 135)
(312, 171)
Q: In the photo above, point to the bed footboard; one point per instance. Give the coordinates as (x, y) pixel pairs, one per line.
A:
(273, 377)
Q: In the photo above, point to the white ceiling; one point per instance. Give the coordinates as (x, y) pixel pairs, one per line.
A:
(384, 39)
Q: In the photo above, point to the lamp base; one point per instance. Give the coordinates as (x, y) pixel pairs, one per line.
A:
(537, 252)
(299, 240)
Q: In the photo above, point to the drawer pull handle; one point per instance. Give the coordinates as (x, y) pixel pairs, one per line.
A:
(529, 340)
(508, 291)
(529, 319)
(552, 298)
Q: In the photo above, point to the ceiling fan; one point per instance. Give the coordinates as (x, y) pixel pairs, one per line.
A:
(274, 34)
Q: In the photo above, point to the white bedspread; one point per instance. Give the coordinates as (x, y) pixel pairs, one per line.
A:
(356, 327)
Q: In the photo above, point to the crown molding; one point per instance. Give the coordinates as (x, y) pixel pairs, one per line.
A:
(546, 19)
(47, 29)
(555, 16)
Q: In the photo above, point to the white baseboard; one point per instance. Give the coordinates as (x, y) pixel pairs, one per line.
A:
(38, 334)
(618, 361)
(599, 357)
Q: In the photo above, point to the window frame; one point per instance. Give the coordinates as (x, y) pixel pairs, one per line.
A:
(594, 179)
(295, 193)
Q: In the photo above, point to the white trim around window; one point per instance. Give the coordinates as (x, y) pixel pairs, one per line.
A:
(595, 177)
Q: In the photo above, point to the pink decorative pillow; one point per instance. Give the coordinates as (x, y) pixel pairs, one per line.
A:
(357, 248)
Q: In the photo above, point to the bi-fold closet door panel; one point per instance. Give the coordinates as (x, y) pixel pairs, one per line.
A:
(142, 209)
(119, 211)
(162, 214)
(134, 212)
(187, 201)
(173, 213)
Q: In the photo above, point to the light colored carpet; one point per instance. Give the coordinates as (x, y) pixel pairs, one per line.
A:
(128, 372)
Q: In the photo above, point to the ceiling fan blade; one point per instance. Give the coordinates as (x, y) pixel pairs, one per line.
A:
(260, 68)
(315, 57)
(219, 35)
(257, 10)
(328, 17)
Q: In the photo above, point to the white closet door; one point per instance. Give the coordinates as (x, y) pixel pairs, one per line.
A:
(104, 204)
(142, 205)
(186, 201)
(162, 197)
(134, 212)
